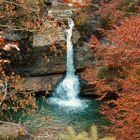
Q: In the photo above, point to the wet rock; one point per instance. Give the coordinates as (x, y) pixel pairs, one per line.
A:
(88, 90)
(42, 61)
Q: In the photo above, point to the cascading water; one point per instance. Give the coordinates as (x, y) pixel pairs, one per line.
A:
(66, 93)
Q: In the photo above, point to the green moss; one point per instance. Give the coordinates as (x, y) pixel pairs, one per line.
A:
(81, 19)
(109, 73)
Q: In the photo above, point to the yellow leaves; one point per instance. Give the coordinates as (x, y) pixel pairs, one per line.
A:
(94, 133)
(1, 1)
(71, 135)
(34, 105)
(21, 131)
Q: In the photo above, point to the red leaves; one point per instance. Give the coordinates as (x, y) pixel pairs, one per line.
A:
(124, 49)
(113, 11)
(123, 55)
(90, 75)
(1, 39)
(77, 3)
(128, 34)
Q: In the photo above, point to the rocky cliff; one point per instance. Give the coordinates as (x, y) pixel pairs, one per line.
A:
(42, 59)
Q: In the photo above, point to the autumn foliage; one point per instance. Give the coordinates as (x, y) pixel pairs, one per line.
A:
(20, 15)
(121, 55)
(113, 11)
(13, 97)
(16, 16)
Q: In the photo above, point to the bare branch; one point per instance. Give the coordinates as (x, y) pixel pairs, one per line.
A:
(18, 28)
(5, 92)
(25, 131)
(10, 2)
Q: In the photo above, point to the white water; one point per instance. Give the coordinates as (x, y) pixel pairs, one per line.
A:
(66, 93)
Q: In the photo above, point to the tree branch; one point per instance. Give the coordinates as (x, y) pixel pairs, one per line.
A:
(5, 93)
(10, 2)
(25, 131)
(18, 28)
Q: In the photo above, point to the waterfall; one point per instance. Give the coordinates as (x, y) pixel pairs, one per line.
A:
(66, 92)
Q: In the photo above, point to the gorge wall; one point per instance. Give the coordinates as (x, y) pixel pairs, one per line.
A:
(42, 61)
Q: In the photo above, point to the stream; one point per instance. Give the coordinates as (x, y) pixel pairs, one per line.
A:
(65, 107)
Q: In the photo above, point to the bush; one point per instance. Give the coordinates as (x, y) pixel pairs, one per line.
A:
(71, 135)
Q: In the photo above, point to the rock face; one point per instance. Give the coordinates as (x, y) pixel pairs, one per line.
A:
(12, 36)
(43, 61)
(44, 69)
(41, 84)
(51, 34)
(87, 25)
(88, 90)
(44, 65)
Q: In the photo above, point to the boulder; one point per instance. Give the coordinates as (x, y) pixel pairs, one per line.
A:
(15, 36)
(10, 131)
(41, 84)
(88, 90)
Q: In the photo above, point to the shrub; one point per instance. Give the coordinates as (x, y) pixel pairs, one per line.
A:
(71, 135)
(123, 55)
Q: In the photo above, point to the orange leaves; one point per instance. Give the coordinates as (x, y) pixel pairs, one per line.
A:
(20, 15)
(128, 33)
(1, 39)
(122, 54)
(10, 9)
(110, 12)
(103, 88)
(94, 43)
(78, 3)
(4, 62)
(124, 48)
(114, 11)
(53, 48)
(17, 99)
(89, 75)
